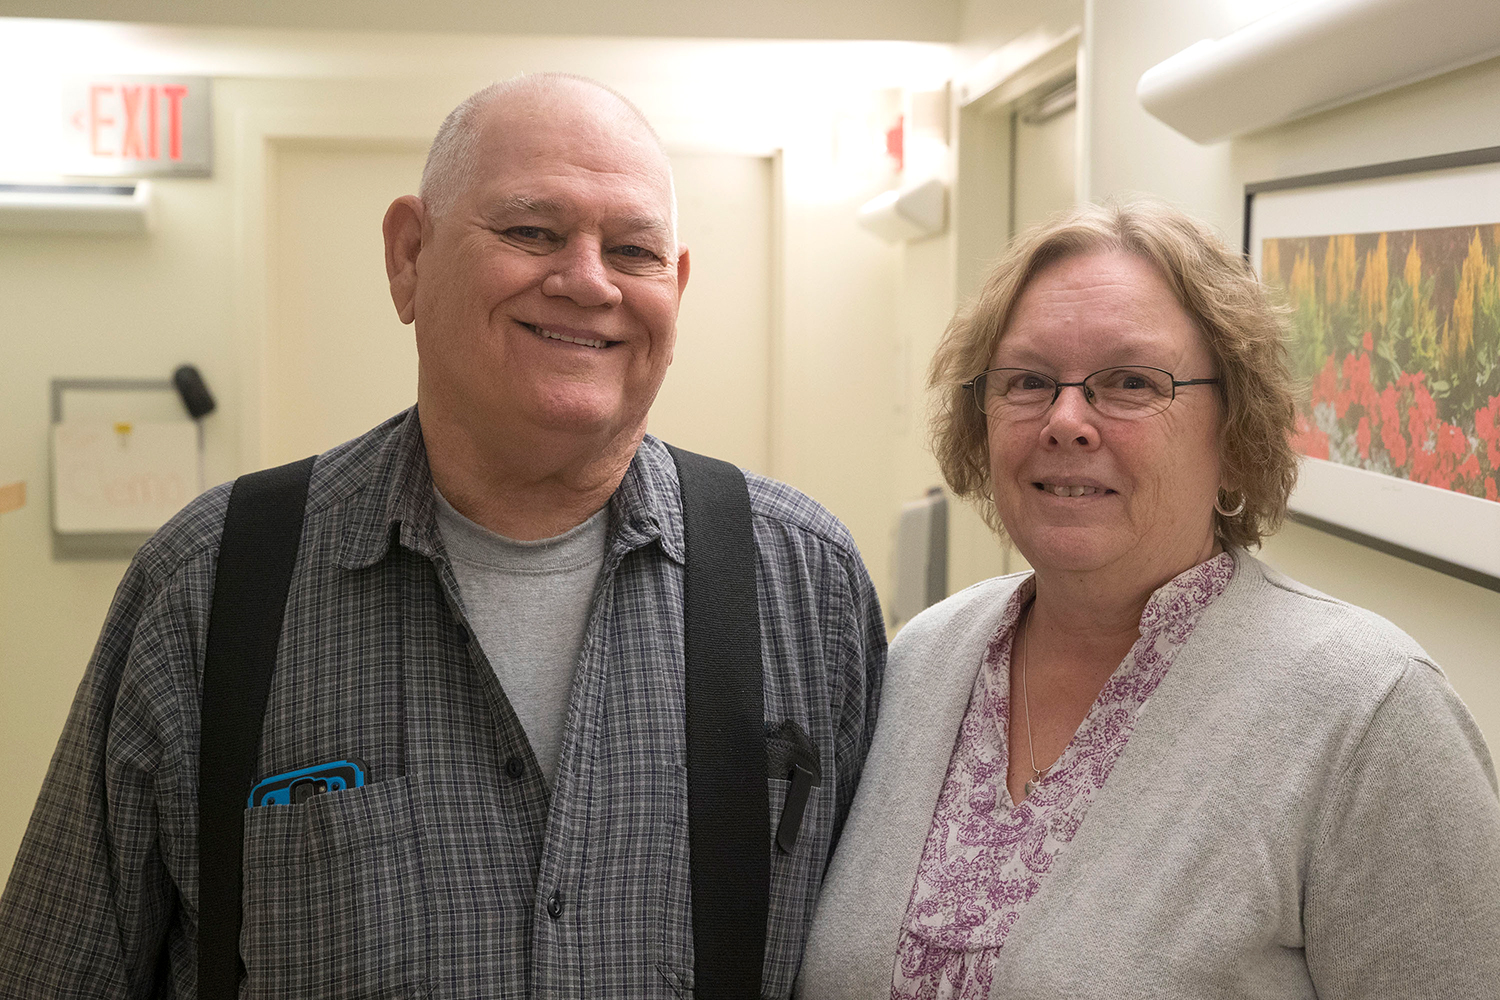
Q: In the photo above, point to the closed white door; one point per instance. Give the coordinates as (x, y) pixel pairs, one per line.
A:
(1046, 163)
(338, 361)
(717, 395)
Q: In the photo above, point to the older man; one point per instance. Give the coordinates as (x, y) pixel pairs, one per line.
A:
(487, 614)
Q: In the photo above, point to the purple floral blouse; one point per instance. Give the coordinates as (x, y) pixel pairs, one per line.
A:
(985, 856)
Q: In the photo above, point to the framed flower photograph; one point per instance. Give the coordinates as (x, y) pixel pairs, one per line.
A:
(1391, 274)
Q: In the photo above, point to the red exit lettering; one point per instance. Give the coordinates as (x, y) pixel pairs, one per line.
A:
(125, 119)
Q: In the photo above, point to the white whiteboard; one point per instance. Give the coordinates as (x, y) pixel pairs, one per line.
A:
(121, 477)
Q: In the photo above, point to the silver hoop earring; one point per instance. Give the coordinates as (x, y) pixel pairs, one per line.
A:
(1229, 513)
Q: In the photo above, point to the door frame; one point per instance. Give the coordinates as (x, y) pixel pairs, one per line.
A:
(986, 98)
(255, 133)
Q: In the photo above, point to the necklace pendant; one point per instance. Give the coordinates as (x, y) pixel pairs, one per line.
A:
(1030, 786)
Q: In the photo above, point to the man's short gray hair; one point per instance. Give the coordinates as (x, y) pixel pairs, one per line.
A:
(453, 158)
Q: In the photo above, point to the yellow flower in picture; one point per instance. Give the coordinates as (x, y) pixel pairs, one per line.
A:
(1270, 261)
(1304, 282)
(1340, 268)
(1374, 287)
(1474, 275)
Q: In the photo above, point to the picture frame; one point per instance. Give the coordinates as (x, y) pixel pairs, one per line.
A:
(1392, 275)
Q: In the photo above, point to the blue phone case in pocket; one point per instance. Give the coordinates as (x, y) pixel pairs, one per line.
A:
(292, 787)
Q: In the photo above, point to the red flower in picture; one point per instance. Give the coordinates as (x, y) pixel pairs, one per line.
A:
(1424, 464)
(1357, 386)
(1325, 386)
(1423, 417)
(1451, 442)
(1487, 428)
(1389, 409)
(1308, 440)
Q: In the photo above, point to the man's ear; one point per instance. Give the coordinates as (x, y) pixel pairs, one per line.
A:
(403, 244)
(684, 265)
(684, 268)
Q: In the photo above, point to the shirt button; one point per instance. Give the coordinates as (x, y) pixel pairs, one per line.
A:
(515, 767)
(554, 904)
(463, 635)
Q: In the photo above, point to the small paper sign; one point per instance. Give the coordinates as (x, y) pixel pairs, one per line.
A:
(121, 477)
(12, 497)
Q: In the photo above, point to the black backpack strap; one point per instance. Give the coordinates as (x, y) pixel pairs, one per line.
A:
(729, 827)
(259, 547)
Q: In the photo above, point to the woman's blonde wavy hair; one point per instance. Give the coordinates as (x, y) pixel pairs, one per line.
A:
(1213, 283)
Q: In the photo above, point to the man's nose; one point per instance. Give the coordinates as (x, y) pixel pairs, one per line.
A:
(581, 275)
(1071, 419)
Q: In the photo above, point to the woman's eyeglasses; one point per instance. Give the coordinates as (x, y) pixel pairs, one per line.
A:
(1125, 393)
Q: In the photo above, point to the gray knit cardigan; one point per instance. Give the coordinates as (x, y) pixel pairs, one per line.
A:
(1305, 809)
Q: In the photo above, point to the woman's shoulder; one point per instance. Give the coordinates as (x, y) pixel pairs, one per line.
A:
(940, 650)
(975, 608)
(1272, 653)
(1307, 624)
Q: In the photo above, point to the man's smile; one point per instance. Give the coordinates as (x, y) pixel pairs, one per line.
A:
(568, 338)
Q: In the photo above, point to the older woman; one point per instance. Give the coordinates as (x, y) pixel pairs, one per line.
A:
(1154, 767)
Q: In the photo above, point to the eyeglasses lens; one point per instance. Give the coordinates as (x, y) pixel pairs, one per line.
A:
(1122, 393)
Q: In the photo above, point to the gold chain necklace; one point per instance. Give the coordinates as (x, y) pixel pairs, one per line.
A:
(1037, 773)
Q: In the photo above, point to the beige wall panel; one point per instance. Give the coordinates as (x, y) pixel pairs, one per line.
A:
(839, 390)
(1130, 151)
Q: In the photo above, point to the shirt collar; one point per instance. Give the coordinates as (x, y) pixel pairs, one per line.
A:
(1180, 602)
(396, 497)
(396, 501)
(647, 506)
(1173, 607)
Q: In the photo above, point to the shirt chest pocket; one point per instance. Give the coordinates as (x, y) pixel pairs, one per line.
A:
(335, 899)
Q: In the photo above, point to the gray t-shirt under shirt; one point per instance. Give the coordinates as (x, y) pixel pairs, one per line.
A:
(528, 604)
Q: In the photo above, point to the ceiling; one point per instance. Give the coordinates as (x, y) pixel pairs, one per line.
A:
(914, 20)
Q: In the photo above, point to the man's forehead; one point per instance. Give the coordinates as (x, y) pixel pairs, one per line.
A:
(586, 127)
(568, 114)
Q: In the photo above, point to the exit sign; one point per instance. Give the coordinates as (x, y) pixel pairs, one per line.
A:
(138, 126)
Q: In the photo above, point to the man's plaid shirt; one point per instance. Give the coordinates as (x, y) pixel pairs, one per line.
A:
(454, 872)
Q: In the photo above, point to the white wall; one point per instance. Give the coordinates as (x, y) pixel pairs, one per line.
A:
(83, 306)
(197, 289)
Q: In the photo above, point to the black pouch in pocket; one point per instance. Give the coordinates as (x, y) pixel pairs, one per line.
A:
(790, 754)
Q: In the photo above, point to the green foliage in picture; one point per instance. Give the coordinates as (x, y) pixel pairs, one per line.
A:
(1398, 336)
